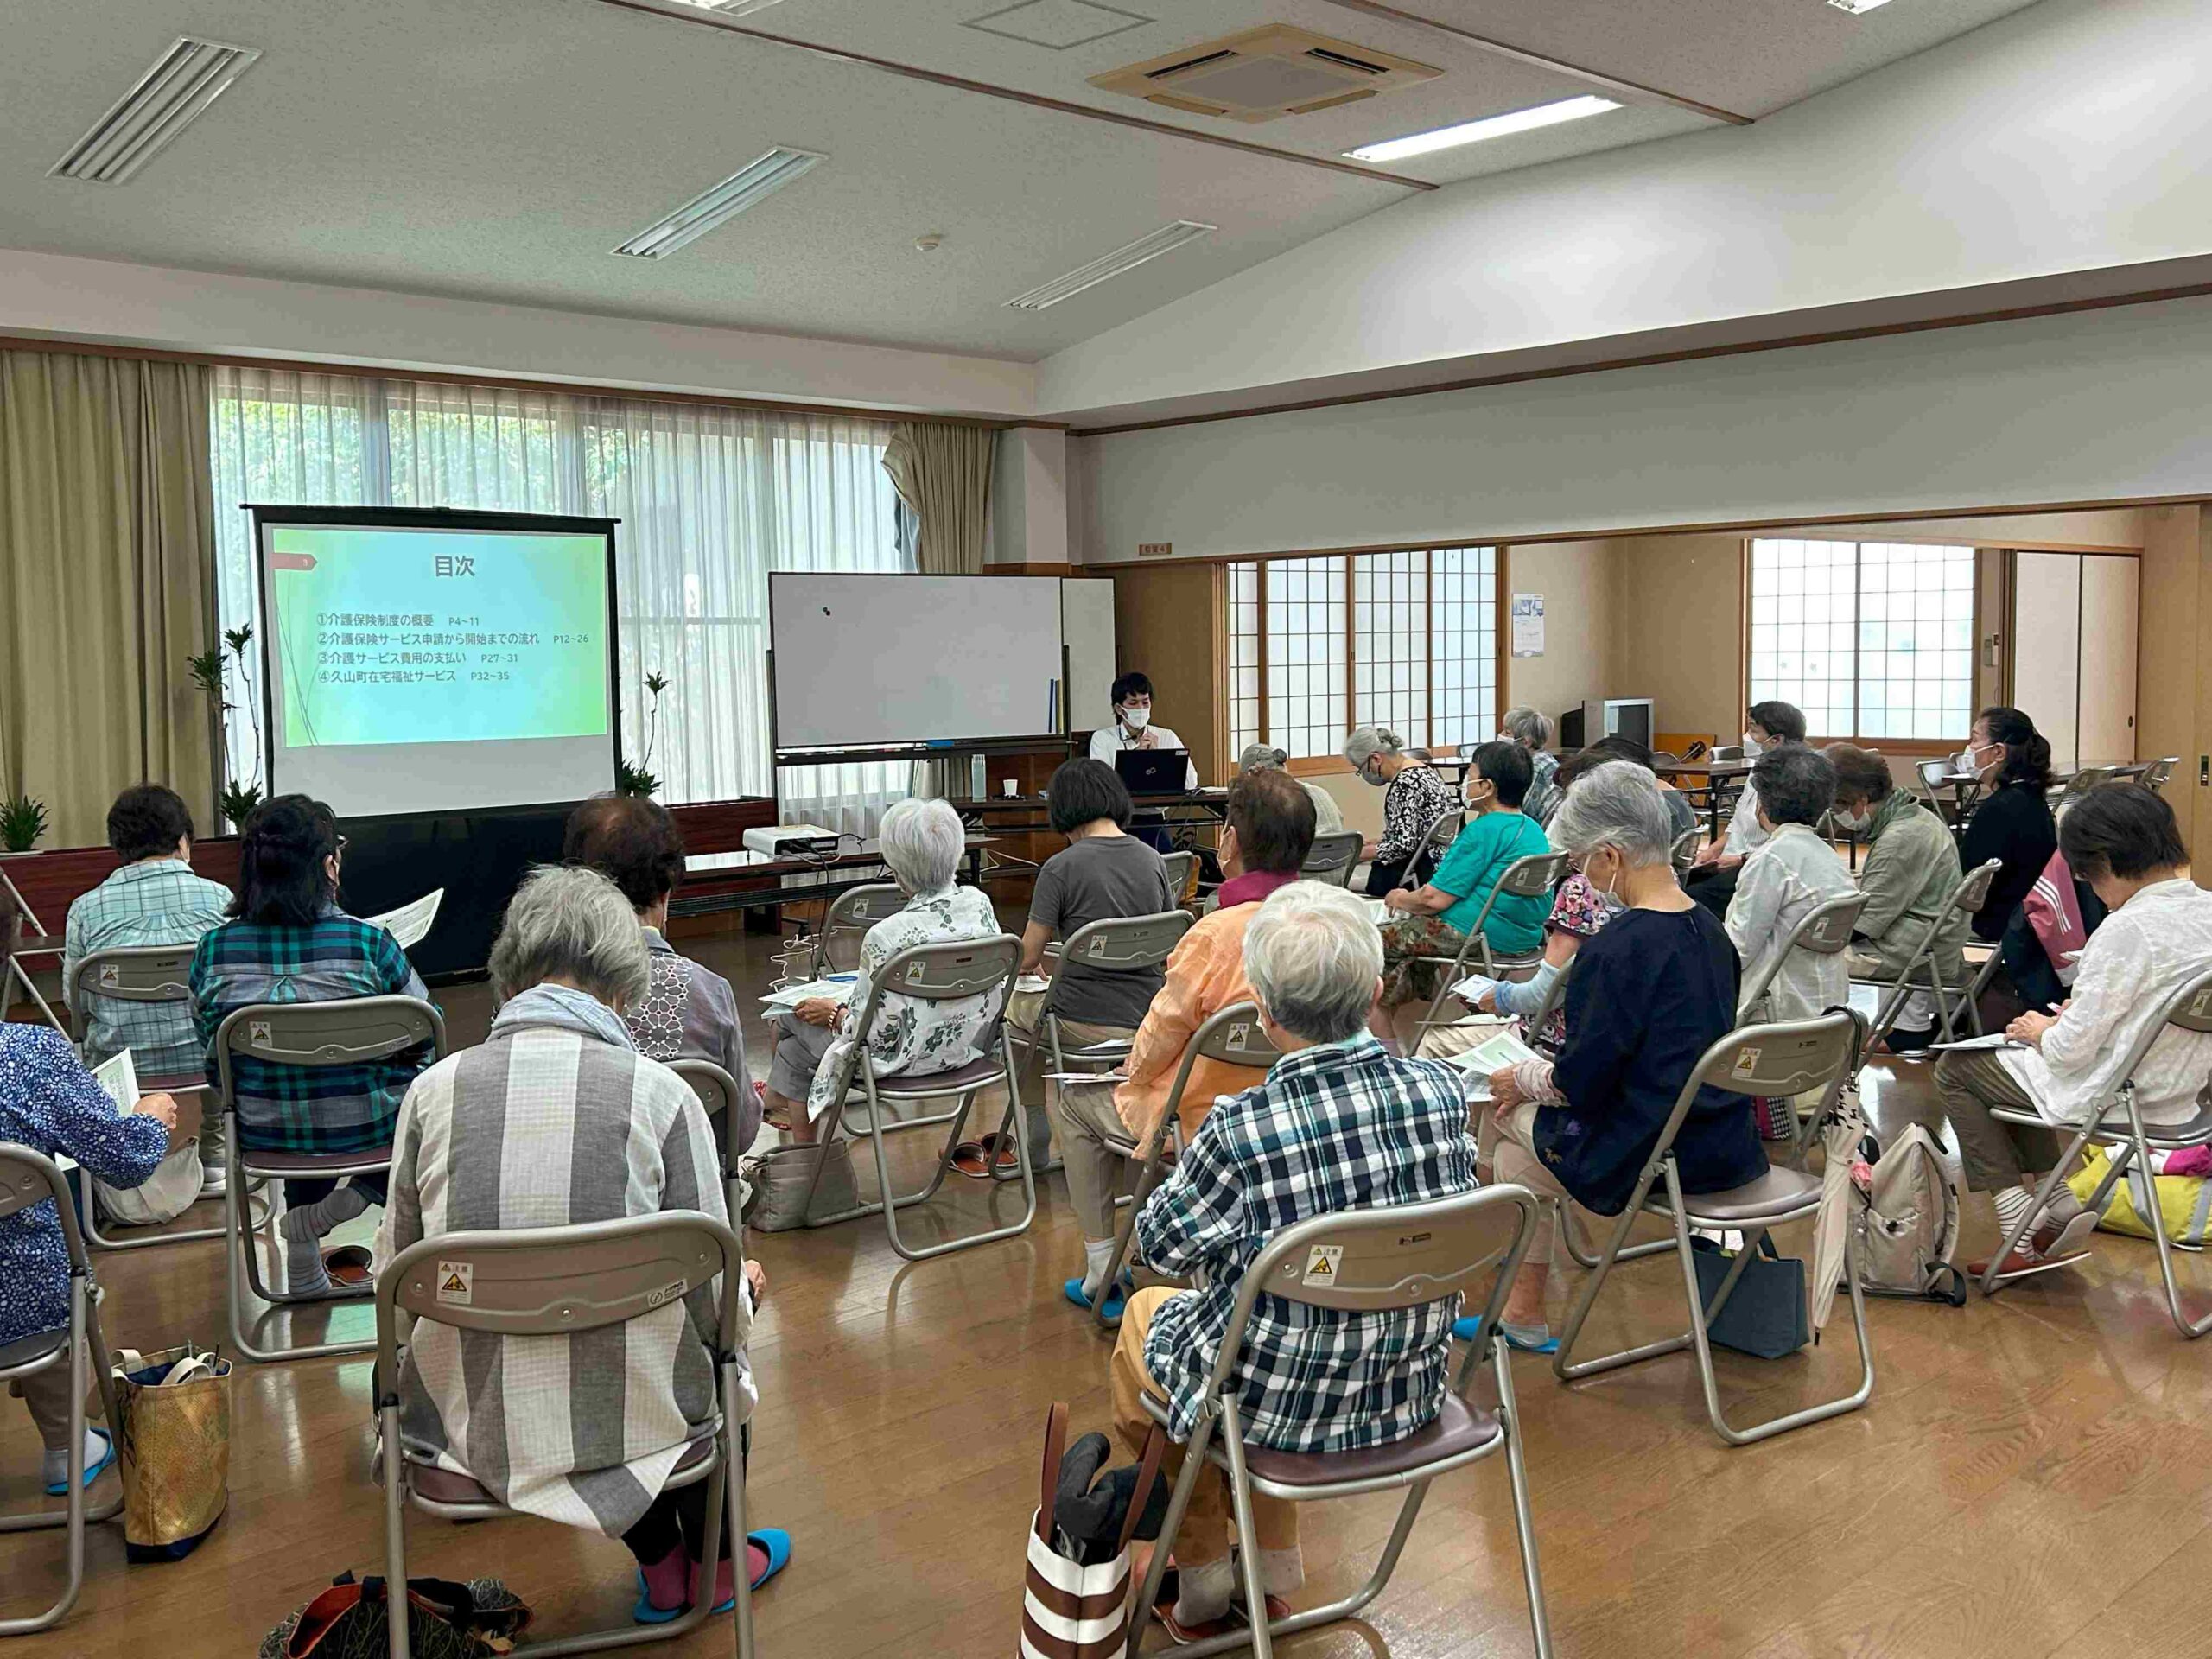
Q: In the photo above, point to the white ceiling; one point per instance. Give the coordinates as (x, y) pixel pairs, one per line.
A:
(498, 148)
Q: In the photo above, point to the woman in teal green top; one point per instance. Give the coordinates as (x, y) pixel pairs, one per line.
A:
(1434, 920)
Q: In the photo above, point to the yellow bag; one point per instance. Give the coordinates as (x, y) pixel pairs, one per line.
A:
(2183, 1202)
(174, 1442)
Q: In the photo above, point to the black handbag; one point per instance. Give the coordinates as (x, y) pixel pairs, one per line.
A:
(1764, 1316)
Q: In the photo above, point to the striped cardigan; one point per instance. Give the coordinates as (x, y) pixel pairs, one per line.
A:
(552, 1122)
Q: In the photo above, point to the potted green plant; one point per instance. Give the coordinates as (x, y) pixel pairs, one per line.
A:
(639, 780)
(211, 671)
(22, 821)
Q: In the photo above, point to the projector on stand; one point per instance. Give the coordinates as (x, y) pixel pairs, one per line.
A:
(792, 841)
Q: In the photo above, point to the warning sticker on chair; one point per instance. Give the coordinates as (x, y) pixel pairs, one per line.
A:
(1323, 1264)
(457, 1282)
(1747, 1063)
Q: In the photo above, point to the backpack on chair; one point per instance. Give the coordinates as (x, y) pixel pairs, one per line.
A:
(1907, 1220)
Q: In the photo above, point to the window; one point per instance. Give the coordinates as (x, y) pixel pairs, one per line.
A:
(1872, 640)
(711, 499)
(1405, 640)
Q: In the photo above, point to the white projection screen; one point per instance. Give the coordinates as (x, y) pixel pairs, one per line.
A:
(869, 660)
(421, 662)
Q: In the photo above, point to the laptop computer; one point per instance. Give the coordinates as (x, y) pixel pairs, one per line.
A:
(1153, 771)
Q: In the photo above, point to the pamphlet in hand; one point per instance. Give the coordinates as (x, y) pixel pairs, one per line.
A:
(1475, 987)
(410, 924)
(1995, 1040)
(1033, 983)
(119, 1076)
(1378, 910)
(837, 988)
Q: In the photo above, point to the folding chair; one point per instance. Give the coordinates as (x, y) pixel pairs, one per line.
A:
(1967, 898)
(144, 975)
(720, 1093)
(933, 973)
(17, 945)
(2063, 795)
(1435, 840)
(2160, 773)
(1524, 878)
(852, 912)
(1333, 858)
(1684, 852)
(29, 1177)
(1398, 1257)
(1233, 1037)
(1182, 875)
(1783, 1059)
(556, 1281)
(350, 1031)
(2121, 1125)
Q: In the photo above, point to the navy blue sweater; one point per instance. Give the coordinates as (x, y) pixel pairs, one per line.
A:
(1648, 995)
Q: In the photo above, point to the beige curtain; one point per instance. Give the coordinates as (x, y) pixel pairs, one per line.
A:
(944, 474)
(106, 584)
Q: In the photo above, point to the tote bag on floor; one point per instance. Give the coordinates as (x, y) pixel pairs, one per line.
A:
(1068, 1610)
(174, 1442)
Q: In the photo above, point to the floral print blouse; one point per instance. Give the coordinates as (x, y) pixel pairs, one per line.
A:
(1416, 796)
(911, 1036)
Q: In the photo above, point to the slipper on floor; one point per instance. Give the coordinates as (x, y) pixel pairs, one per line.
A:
(93, 1470)
(1001, 1148)
(970, 1159)
(773, 1542)
(1116, 1298)
(1470, 1329)
(347, 1273)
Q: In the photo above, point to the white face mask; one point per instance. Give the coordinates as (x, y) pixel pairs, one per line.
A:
(1853, 823)
(1136, 719)
(1751, 745)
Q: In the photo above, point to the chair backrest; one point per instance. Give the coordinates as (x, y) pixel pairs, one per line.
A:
(1779, 1057)
(546, 1282)
(1727, 752)
(1932, 774)
(1435, 840)
(1333, 857)
(1397, 1256)
(155, 973)
(2160, 772)
(1234, 1037)
(852, 912)
(1663, 762)
(1685, 849)
(718, 1094)
(350, 1031)
(27, 1176)
(1182, 868)
(1825, 930)
(2190, 1007)
(1125, 945)
(1534, 876)
(1973, 890)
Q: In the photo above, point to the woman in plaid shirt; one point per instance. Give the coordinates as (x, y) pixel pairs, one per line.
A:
(291, 943)
(1340, 1123)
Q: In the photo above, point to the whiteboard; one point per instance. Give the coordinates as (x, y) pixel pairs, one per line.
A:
(1087, 625)
(865, 660)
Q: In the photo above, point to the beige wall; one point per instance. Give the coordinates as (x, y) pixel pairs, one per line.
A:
(1361, 803)
(1576, 580)
(2173, 685)
(1677, 613)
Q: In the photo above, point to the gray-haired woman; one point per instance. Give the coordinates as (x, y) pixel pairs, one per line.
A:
(1650, 993)
(1532, 729)
(923, 843)
(555, 1121)
(1328, 817)
(1414, 796)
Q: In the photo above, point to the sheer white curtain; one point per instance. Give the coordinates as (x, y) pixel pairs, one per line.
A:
(710, 498)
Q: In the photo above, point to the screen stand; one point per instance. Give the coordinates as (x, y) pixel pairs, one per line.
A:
(15, 912)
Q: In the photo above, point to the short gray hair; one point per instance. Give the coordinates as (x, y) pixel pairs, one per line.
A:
(1531, 727)
(1313, 954)
(1367, 741)
(922, 842)
(1619, 805)
(1258, 757)
(566, 922)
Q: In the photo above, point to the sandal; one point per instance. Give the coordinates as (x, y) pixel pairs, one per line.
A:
(1000, 1149)
(970, 1159)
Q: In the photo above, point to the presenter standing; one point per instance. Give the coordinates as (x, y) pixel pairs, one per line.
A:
(1133, 727)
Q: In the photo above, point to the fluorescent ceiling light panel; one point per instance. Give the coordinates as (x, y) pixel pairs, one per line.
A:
(1163, 241)
(763, 176)
(1857, 7)
(139, 125)
(1491, 126)
(729, 8)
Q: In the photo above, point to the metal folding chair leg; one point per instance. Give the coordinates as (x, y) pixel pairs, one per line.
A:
(87, 1350)
(1587, 1258)
(890, 1204)
(1150, 1174)
(241, 1271)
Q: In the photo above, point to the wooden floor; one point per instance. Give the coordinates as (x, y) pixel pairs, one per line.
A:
(2034, 1474)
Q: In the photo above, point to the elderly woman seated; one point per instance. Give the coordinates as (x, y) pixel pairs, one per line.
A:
(1532, 729)
(1328, 817)
(1414, 794)
(1789, 874)
(688, 1012)
(922, 842)
(1911, 873)
(555, 1121)
(1650, 993)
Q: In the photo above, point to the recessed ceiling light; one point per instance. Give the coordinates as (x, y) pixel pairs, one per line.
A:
(1491, 126)
(1856, 7)
(729, 8)
(1112, 265)
(762, 176)
(183, 81)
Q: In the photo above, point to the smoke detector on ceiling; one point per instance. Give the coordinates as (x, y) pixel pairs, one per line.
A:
(1263, 74)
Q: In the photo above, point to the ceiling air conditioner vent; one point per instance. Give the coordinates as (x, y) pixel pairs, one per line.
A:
(1265, 73)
